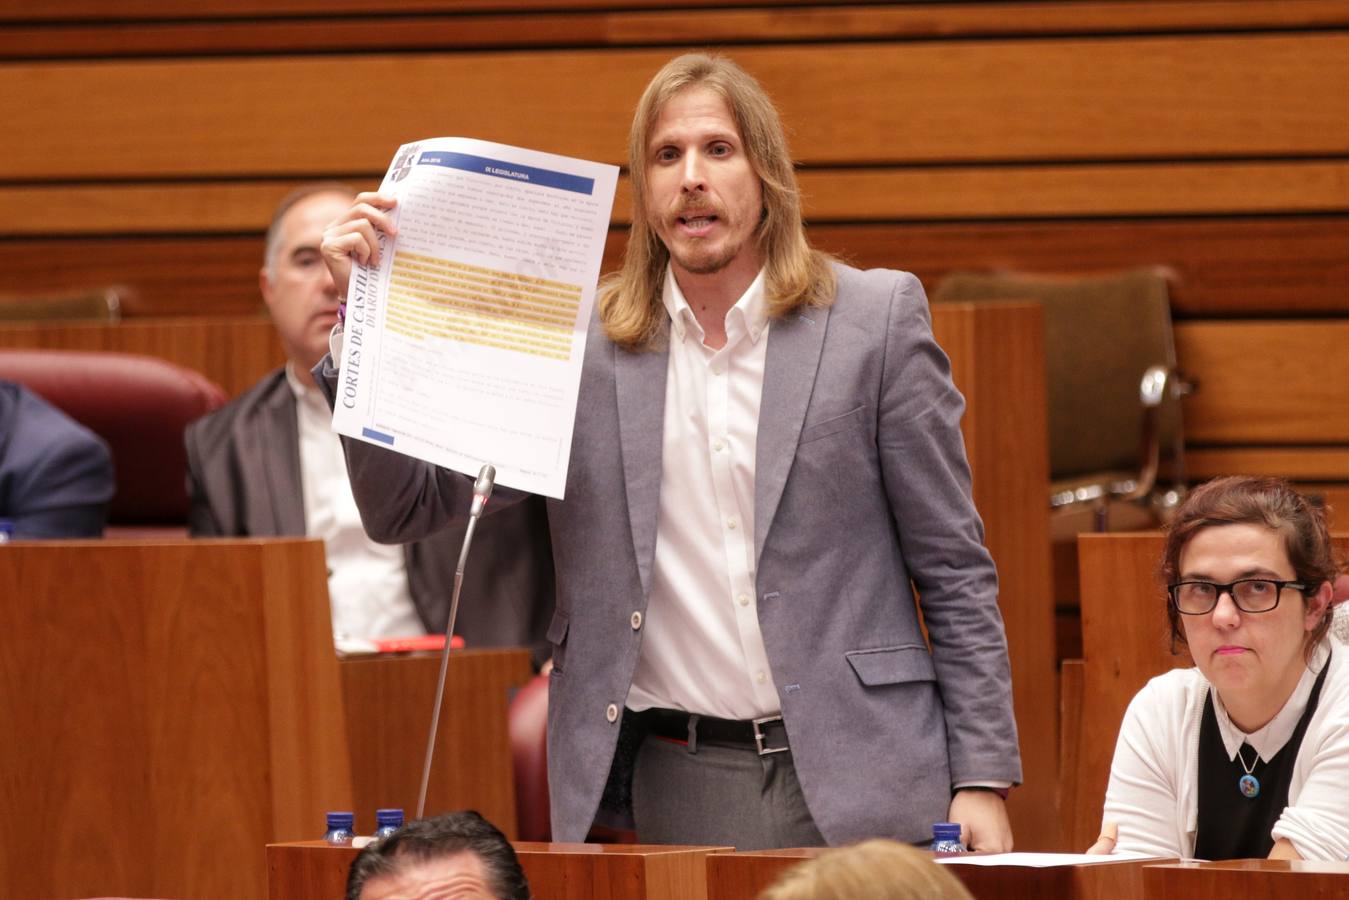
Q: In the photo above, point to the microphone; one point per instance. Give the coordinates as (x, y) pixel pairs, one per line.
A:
(482, 490)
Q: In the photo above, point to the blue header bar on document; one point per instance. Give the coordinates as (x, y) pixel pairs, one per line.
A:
(512, 171)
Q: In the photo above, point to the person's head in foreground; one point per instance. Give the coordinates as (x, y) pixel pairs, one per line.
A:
(872, 870)
(455, 856)
(1250, 573)
(1247, 754)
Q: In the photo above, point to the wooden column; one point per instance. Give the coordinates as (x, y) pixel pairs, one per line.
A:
(997, 361)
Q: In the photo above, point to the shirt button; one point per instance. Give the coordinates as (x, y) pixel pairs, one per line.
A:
(636, 620)
(742, 599)
(718, 445)
(611, 712)
(718, 370)
(760, 677)
(731, 523)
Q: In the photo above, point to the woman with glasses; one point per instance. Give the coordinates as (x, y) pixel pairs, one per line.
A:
(1247, 754)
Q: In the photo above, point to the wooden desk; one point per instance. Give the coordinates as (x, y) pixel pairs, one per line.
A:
(167, 709)
(740, 876)
(1099, 881)
(1265, 879)
(388, 705)
(173, 706)
(313, 870)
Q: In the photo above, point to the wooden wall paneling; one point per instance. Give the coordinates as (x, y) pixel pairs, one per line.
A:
(629, 27)
(997, 361)
(1107, 98)
(167, 713)
(1074, 191)
(189, 275)
(139, 9)
(1242, 266)
(234, 353)
(928, 194)
(1294, 463)
(1266, 382)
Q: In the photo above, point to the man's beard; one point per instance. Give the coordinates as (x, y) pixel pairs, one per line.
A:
(701, 260)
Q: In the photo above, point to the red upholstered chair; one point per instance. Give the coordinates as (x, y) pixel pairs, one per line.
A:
(140, 406)
(528, 725)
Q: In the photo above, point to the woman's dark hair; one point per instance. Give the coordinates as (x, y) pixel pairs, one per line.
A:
(1271, 502)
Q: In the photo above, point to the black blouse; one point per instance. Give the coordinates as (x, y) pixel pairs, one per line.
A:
(1232, 825)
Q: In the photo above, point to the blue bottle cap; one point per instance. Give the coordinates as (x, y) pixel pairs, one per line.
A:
(389, 817)
(341, 820)
(946, 831)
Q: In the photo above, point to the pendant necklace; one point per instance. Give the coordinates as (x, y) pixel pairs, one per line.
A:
(1248, 784)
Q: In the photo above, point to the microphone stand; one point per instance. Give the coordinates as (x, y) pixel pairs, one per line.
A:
(482, 489)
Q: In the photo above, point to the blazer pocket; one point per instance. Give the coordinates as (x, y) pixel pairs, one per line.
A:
(893, 665)
(817, 430)
(557, 635)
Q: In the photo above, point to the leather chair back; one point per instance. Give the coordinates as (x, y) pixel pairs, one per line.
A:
(140, 406)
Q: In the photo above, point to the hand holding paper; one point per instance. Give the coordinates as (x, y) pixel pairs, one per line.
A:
(471, 276)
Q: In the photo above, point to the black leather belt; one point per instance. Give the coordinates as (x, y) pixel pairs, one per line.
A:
(763, 736)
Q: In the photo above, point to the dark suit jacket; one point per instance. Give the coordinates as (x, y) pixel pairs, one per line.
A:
(56, 475)
(861, 488)
(244, 479)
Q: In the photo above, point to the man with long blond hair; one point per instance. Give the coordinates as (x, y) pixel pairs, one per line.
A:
(767, 460)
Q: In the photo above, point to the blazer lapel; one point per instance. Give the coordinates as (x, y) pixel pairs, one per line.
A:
(793, 357)
(281, 463)
(639, 381)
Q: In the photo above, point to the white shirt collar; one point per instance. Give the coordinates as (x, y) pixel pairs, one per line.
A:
(1270, 739)
(749, 315)
(304, 389)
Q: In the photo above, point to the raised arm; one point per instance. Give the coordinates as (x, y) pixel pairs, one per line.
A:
(400, 498)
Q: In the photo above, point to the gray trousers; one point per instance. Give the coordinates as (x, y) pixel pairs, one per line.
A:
(718, 795)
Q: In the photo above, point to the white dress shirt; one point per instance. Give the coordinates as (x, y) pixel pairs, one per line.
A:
(702, 649)
(367, 582)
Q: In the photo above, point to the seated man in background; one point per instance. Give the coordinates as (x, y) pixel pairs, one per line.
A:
(268, 463)
(456, 855)
(56, 475)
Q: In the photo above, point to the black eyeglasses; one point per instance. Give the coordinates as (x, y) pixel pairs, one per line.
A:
(1252, 595)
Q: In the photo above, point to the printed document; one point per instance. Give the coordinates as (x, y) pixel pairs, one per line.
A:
(464, 345)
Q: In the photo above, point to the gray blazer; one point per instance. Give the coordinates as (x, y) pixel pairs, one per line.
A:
(861, 488)
(244, 479)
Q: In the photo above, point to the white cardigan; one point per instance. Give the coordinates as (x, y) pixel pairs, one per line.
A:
(1153, 792)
